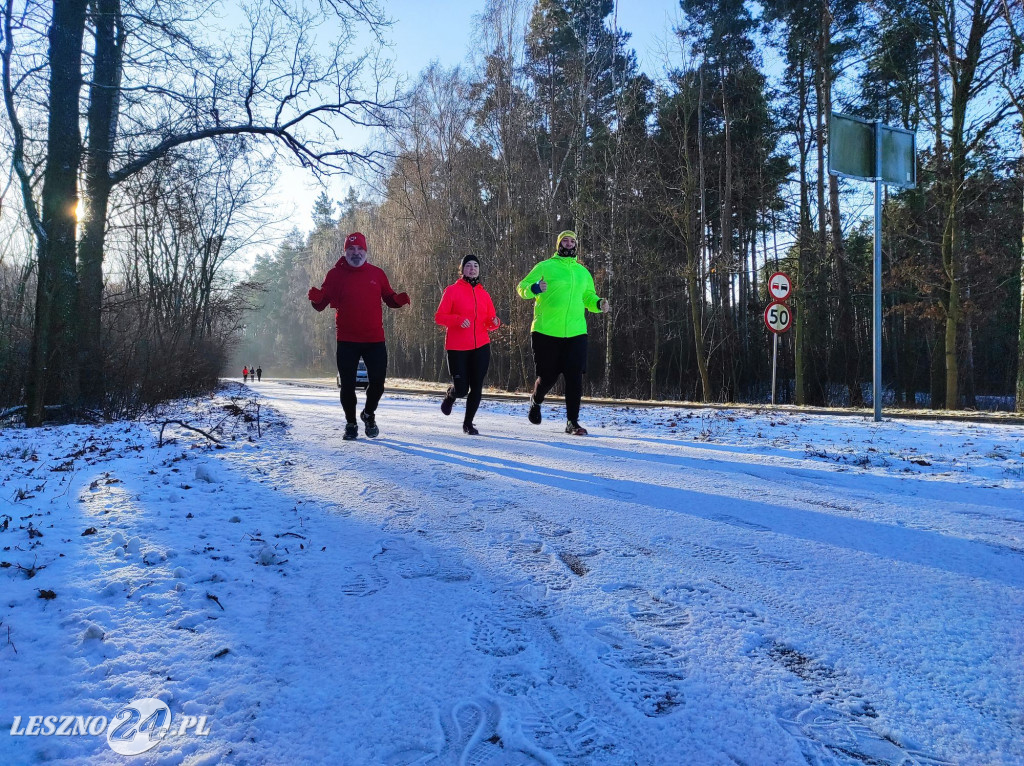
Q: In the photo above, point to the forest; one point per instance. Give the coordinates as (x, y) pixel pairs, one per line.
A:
(139, 182)
(689, 192)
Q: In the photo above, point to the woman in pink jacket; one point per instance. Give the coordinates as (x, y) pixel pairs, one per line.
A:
(467, 312)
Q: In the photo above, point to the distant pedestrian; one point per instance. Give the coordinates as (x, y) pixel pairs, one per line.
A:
(563, 291)
(355, 289)
(259, 374)
(245, 374)
(468, 312)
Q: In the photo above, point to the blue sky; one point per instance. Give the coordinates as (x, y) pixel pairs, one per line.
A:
(425, 30)
(442, 30)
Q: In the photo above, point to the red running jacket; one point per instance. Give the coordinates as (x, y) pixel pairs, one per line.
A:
(462, 301)
(356, 294)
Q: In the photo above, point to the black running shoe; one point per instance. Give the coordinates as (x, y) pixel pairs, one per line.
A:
(370, 423)
(574, 428)
(534, 413)
(351, 432)
(469, 428)
(447, 403)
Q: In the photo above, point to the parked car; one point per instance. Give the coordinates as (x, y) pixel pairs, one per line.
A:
(362, 376)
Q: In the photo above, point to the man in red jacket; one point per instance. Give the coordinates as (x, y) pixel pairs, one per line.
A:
(355, 289)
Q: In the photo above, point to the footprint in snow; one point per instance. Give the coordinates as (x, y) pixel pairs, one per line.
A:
(777, 562)
(540, 567)
(399, 524)
(648, 675)
(653, 694)
(471, 738)
(552, 581)
(406, 559)
(360, 581)
(472, 524)
(550, 529)
(707, 553)
(827, 737)
(657, 612)
(494, 505)
(741, 523)
(516, 680)
(402, 507)
(555, 718)
(495, 633)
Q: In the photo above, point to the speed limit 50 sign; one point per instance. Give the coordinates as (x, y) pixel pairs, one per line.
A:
(778, 317)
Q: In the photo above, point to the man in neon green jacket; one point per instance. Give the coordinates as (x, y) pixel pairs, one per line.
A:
(563, 290)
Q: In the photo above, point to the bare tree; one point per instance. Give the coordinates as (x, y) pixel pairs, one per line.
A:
(970, 46)
(1013, 84)
(52, 217)
(160, 81)
(170, 312)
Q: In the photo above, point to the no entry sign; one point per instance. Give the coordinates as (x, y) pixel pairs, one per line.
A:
(778, 317)
(780, 286)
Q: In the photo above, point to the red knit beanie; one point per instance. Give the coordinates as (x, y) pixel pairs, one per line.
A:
(357, 239)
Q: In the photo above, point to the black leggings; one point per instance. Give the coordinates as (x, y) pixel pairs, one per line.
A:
(468, 369)
(560, 356)
(376, 357)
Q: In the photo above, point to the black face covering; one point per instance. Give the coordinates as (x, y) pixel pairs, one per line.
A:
(466, 259)
(567, 252)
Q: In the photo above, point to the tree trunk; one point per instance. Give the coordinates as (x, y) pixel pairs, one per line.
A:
(969, 392)
(726, 259)
(950, 247)
(102, 119)
(692, 283)
(938, 370)
(1020, 326)
(802, 288)
(652, 391)
(53, 374)
(951, 244)
(846, 333)
(696, 296)
(820, 380)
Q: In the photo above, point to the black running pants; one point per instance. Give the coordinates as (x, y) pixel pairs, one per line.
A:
(376, 357)
(560, 356)
(468, 370)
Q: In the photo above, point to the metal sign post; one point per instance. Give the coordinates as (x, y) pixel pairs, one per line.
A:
(775, 362)
(778, 317)
(870, 151)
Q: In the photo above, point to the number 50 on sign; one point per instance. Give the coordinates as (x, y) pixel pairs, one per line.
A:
(778, 317)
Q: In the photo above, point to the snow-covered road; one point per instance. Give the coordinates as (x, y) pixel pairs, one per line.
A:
(678, 588)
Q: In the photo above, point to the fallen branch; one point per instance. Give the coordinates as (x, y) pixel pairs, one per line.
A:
(10, 413)
(183, 424)
(31, 571)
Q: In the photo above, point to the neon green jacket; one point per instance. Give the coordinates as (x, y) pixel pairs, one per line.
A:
(559, 310)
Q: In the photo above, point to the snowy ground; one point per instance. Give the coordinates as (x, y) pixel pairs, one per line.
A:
(703, 588)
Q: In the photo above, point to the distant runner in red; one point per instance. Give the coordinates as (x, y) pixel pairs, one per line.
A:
(468, 313)
(355, 289)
